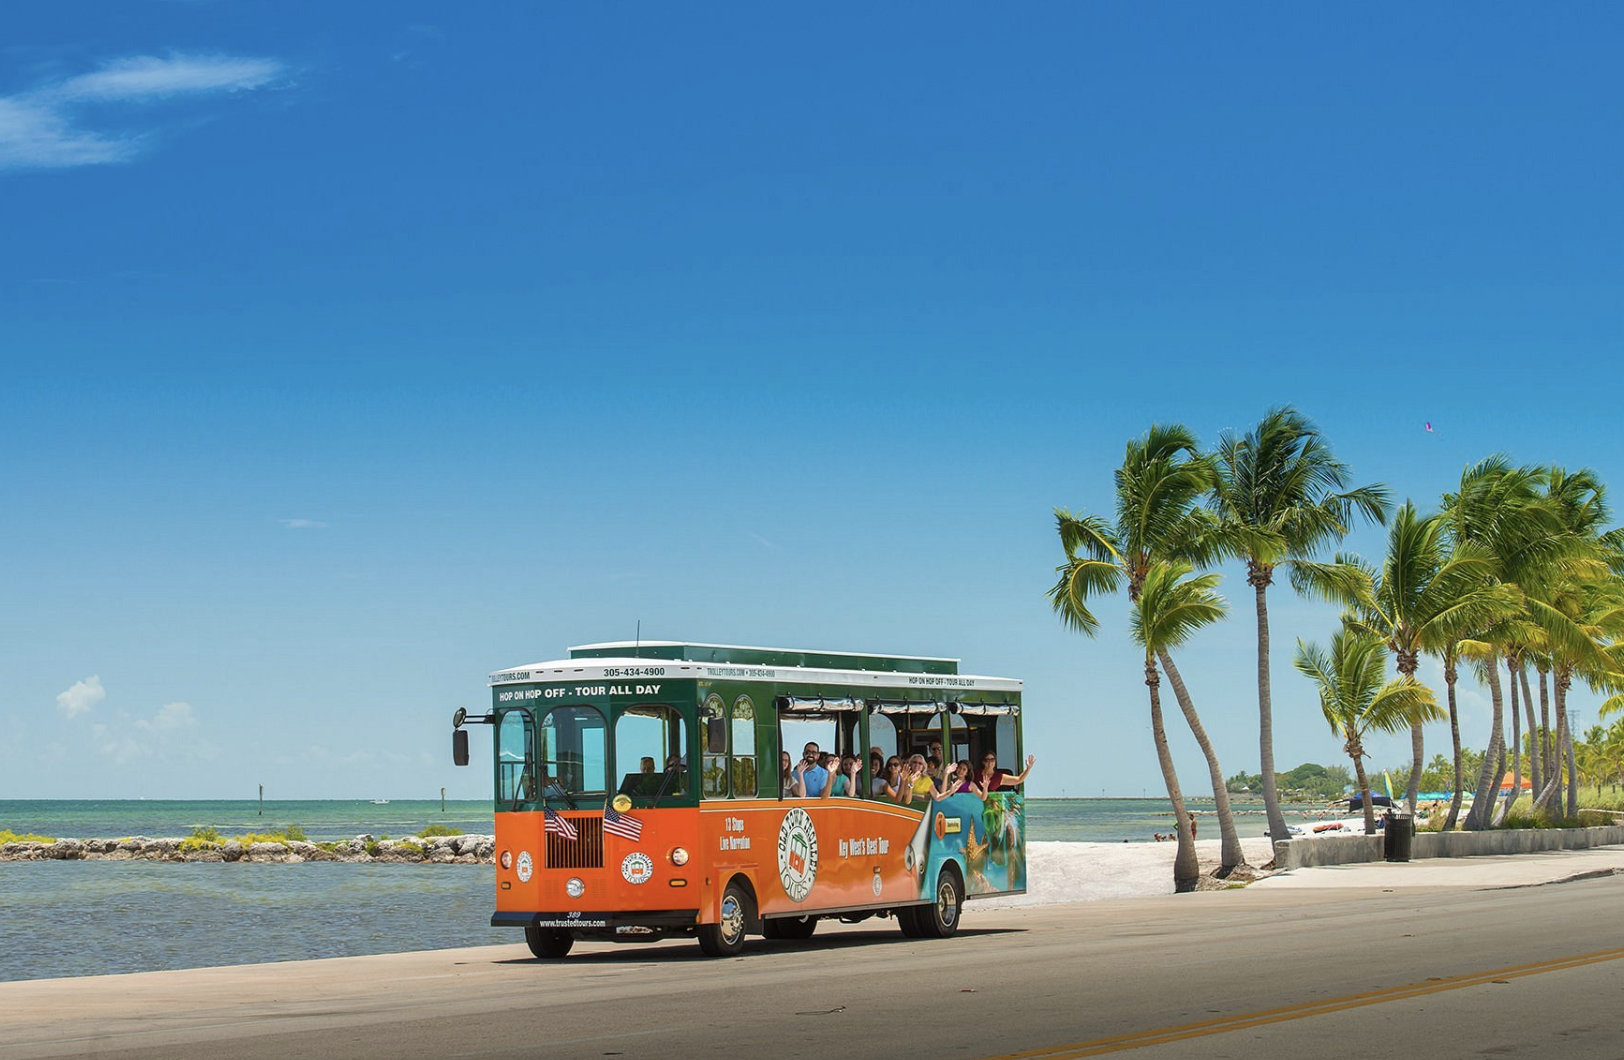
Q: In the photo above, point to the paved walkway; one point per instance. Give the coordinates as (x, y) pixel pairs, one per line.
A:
(1500, 870)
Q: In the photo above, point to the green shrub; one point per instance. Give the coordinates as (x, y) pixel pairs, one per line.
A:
(201, 839)
(439, 830)
(8, 836)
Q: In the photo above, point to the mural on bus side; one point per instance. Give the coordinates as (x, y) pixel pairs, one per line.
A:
(985, 836)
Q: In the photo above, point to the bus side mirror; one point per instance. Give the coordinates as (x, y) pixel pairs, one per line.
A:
(716, 736)
(459, 747)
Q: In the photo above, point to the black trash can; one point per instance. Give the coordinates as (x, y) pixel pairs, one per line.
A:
(1397, 831)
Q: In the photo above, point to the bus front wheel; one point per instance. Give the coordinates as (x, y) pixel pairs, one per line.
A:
(726, 937)
(547, 943)
(940, 919)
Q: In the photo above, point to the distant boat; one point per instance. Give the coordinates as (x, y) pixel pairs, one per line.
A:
(380, 802)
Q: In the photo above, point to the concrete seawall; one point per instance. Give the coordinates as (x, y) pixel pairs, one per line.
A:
(1350, 849)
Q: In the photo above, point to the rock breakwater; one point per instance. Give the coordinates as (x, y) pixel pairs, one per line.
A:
(434, 850)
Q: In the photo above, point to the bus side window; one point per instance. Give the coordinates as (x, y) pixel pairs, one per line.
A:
(882, 733)
(743, 757)
(713, 725)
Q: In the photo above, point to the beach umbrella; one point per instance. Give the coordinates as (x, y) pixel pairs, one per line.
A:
(1358, 802)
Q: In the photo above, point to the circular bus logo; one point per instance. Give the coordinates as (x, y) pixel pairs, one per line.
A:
(637, 867)
(525, 865)
(797, 854)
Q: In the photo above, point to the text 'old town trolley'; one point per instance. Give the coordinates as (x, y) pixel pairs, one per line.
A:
(660, 789)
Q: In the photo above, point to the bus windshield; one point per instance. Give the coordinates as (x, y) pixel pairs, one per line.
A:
(573, 759)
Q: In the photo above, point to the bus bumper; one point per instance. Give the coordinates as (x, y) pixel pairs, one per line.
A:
(631, 926)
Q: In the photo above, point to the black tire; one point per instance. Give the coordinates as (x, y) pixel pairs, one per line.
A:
(940, 919)
(548, 943)
(726, 939)
(792, 928)
(908, 921)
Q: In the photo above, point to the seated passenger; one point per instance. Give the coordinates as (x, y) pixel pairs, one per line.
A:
(885, 785)
(786, 782)
(991, 778)
(847, 771)
(959, 780)
(916, 785)
(811, 776)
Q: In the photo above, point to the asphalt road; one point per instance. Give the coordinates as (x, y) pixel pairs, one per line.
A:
(1427, 971)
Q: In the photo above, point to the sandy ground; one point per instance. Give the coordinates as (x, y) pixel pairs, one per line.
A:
(1087, 872)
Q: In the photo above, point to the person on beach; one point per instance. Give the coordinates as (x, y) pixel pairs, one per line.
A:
(1192, 825)
(991, 778)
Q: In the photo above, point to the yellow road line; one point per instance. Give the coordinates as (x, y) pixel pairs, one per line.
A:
(1165, 1035)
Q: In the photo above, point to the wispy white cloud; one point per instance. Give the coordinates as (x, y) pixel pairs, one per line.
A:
(166, 736)
(303, 524)
(81, 697)
(47, 127)
(148, 77)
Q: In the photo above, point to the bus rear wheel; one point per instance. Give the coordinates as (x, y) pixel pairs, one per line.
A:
(940, 919)
(794, 928)
(726, 937)
(548, 943)
(908, 921)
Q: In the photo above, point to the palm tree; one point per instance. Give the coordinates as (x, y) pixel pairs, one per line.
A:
(1355, 699)
(1283, 496)
(1158, 519)
(1172, 606)
(1543, 544)
(1425, 597)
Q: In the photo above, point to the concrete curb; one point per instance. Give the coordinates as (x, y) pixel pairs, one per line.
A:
(1354, 849)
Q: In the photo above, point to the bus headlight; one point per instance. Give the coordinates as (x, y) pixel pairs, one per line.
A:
(622, 803)
(507, 859)
(679, 856)
(575, 887)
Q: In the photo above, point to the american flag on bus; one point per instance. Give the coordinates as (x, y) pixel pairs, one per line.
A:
(624, 825)
(557, 824)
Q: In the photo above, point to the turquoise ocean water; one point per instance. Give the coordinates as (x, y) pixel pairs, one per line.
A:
(72, 918)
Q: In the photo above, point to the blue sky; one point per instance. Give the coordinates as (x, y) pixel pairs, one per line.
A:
(354, 351)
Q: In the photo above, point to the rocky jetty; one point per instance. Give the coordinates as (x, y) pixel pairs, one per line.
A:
(435, 850)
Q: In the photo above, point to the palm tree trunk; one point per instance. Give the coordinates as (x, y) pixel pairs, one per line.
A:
(1488, 779)
(1534, 764)
(1418, 753)
(1450, 676)
(1547, 739)
(1567, 742)
(1407, 662)
(1231, 856)
(1357, 753)
(1186, 867)
(1516, 751)
(1265, 710)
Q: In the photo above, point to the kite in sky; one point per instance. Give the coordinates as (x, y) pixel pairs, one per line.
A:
(1428, 426)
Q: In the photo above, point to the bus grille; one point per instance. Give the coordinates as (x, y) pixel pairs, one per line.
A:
(583, 852)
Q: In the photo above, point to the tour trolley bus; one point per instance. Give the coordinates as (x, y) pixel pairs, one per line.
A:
(639, 794)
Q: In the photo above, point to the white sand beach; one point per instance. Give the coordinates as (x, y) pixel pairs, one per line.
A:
(1087, 872)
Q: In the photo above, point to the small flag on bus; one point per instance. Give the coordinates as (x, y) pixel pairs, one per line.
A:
(617, 823)
(557, 824)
